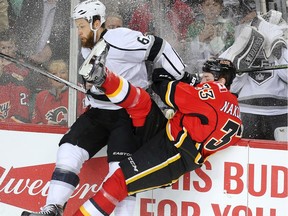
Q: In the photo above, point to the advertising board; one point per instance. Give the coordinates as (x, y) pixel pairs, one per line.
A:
(248, 179)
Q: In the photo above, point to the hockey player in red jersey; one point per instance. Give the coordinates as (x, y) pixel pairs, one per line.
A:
(206, 121)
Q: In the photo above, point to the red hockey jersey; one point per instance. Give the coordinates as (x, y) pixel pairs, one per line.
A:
(51, 110)
(14, 103)
(209, 113)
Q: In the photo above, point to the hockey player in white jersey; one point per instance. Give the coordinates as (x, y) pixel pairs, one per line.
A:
(106, 123)
(262, 95)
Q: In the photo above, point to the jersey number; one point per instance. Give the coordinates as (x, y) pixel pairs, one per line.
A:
(143, 39)
(206, 92)
(231, 128)
(23, 99)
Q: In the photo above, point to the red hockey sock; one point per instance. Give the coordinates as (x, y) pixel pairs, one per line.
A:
(114, 190)
(136, 101)
(78, 213)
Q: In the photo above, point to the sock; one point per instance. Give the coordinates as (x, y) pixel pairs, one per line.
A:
(113, 191)
(88, 209)
(59, 193)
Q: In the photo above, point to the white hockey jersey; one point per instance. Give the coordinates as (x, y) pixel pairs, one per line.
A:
(265, 92)
(127, 54)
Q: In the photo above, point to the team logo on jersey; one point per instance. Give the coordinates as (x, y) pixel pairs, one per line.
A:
(57, 116)
(4, 110)
(263, 76)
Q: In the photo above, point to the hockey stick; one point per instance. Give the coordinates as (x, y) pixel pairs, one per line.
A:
(257, 69)
(43, 72)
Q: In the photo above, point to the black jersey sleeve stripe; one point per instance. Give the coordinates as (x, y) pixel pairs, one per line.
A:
(172, 65)
(98, 97)
(155, 49)
(115, 47)
(180, 59)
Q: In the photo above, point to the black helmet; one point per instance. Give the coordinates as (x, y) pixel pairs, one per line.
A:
(220, 68)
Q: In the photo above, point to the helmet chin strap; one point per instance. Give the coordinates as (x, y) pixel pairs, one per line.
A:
(94, 32)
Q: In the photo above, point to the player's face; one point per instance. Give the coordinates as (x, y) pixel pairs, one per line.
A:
(86, 35)
(206, 77)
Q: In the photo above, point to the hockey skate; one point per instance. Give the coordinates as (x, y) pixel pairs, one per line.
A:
(93, 67)
(49, 210)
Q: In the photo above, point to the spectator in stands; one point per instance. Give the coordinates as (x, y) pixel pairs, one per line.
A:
(14, 96)
(241, 12)
(4, 23)
(14, 9)
(51, 106)
(246, 11)
(59, 41)
(33, 27)
(211, 34)
(262, 94)
(42, 33)
(113, 21)
(14, 100)
(8, 47)
(124, 8)
(168, 19)
(42, 28)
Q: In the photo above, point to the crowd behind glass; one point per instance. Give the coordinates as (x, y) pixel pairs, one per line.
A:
(38, 32)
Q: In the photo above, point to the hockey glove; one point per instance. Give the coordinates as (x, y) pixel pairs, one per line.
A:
(161, 74)
(191, 79)
(93, 68)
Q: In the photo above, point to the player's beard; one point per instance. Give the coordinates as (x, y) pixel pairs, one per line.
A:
(89, 42)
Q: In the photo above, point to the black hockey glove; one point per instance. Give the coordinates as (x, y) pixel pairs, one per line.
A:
(191, 79)
(160, 74)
